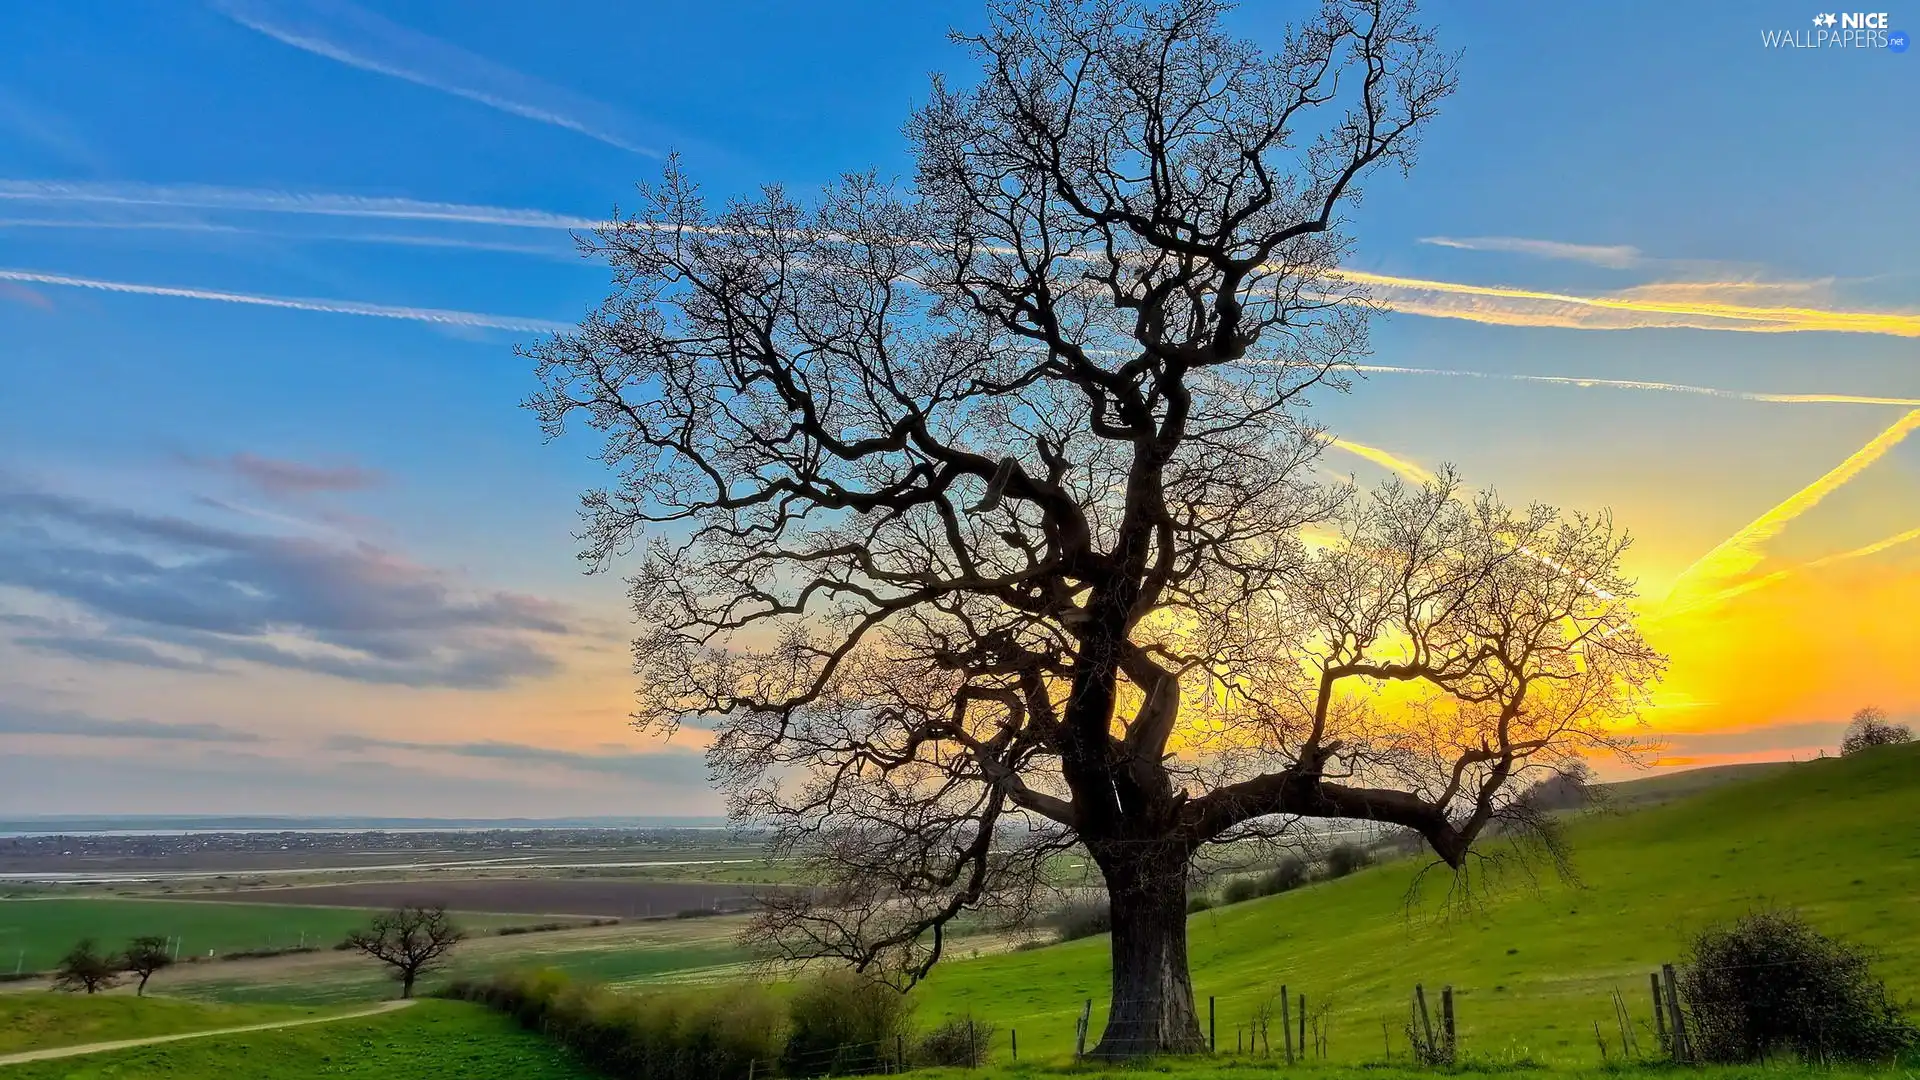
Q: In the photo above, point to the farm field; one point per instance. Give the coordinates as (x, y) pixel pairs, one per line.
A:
(630, 955)
(35, 933)
(564, 896)
(431, 1040)
(1532, 960)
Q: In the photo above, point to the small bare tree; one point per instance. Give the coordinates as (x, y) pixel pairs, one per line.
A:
(1869, 728)
(412, 940)
(86, 968)
(981, 522)
(144, 956)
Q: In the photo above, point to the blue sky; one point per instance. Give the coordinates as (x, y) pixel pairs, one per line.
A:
(387, 616)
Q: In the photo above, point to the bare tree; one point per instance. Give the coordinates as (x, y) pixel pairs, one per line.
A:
(1869, 728)
(86, 968)
(975, 515)
(412, 940)
(144, 956)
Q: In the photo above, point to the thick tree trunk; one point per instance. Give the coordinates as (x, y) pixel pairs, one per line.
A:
(1151, 1011)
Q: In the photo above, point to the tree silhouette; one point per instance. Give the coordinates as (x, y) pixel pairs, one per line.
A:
(412, 940)
(1870, 728)
(974, 516)
(86, 968)
(145, 956)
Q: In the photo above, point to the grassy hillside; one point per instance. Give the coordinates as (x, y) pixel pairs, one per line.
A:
(433, 1040)
(1532, 960)
(38, 1021)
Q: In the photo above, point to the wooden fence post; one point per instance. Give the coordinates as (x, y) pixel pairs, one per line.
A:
(1014, 1035)
(973, 1048)
(1446, 1018)
(1659, 1015)
(1303, 1027)
(1682, 1049)
(1286, 1025)
(1211, 1045)
(1086, 1017)
(899, 1050)
(1426, 1021)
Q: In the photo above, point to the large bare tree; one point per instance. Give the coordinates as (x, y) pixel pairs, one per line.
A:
(979, 517)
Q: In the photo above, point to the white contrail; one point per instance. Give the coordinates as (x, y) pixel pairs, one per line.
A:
(350, 35)
(250, 200)
(337, 307)
(1638, 384)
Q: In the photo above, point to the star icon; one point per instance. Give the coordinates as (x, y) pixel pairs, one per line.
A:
(1830, 19)
(1819, 20)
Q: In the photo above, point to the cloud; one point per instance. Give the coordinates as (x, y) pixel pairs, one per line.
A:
(1771, 737)
(1687, 305)
(669, 766)
(277, 477)
(1614, 256)
(336, 307)
(359, 38)
(1641, 384)
(1740, 553)
(20, 294)
(168, 592)
(16, 720)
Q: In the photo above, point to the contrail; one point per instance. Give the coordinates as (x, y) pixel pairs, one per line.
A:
(340, 31)
(249, 200)
(1639, 384)
(1740, 553)
(1778, 576)
(1530, 307)
(336, 307)
(1384, 459)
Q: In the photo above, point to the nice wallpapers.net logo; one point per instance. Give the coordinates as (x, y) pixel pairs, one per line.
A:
(1838, 31)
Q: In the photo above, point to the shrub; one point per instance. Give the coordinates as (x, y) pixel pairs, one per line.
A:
(86, 968)
(1769, 983)
(1287, 874)
(962, 1041)
(668, 1036)
(1080, 920)
(1199, 902)
(1345, 857)
(843, 1022)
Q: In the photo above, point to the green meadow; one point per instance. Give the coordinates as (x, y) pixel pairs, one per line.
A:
(1533, 960)
(35, 933)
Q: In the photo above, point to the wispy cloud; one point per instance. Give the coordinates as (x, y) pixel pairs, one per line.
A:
(17, 720)
(1689, 305)
(1643, 384)
(1614, 256)
(670, 765)
(349, 34)
(440, 316)
(279, 477)
(1703, 582)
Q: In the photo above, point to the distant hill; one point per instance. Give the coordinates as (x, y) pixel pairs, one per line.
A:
(283, 823)
(1532, 959)
(1665, 787)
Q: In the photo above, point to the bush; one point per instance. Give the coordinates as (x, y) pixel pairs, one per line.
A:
(1769, 983)
(842, 1023)
(1199, 902)
(962, 1041)
(668, 1036)
(1080, 920)
(1344, 858)
(1287, 874)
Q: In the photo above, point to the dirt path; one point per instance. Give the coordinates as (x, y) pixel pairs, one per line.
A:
(95, 1048)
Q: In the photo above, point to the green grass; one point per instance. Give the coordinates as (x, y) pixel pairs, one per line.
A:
(36, 1020)
(1533, 961)
(35, 933)
(433, 1040)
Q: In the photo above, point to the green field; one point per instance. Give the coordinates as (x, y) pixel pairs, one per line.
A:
(36, 1021)
(433, 1040)
(1533, 960)
(35, 933)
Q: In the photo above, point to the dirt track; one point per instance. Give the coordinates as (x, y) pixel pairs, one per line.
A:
(123, 1044)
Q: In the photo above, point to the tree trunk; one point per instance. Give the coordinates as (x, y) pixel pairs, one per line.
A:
(406, 983)
(1152, 1005)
